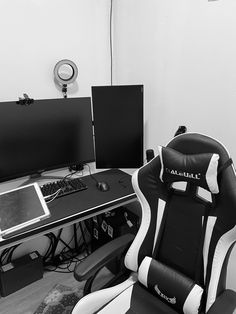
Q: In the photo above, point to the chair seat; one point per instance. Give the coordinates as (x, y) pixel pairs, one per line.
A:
(137, 300)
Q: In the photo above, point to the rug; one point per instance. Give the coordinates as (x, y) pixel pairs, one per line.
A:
(60, 300)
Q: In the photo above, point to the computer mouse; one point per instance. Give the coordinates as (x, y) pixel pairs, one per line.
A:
(103, 186)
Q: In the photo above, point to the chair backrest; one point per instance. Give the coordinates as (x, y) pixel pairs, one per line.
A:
(188, 199)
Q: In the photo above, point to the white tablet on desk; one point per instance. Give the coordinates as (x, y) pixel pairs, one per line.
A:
(21, 207)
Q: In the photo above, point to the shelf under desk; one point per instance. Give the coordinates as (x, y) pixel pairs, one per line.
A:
(79, 206)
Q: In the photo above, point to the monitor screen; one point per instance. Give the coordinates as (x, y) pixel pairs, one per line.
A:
(48, 134)
(118, 126)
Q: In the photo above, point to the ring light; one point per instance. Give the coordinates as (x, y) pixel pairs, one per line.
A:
(65, 72)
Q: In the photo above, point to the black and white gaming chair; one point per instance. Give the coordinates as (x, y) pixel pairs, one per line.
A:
(179, 256)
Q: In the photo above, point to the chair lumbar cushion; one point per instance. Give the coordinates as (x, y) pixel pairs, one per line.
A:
(174, 288)
(200, 169)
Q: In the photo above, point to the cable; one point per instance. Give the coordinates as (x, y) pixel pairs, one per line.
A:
(90, 173)
(64, 257)
(54, 195)
(60, 269)
(51, 247)
(111, 41)
(82, 242)
(48, 256)
(9, 258)
(68, 243)
(6, 255)
(69, 175)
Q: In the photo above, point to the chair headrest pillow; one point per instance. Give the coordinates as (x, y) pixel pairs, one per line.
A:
(198, 169)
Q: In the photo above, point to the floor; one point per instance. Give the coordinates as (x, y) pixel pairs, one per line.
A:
(27, 299)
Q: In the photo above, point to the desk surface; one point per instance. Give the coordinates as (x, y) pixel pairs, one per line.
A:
(81, 205)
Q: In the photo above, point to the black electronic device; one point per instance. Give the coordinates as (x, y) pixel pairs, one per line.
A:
(149, 154)
(181, 129)
(118, 125)
(25, 101)
(48, 134)
(103, 186)
(20, 273)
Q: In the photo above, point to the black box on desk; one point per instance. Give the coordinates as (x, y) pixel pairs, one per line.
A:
(20, 273)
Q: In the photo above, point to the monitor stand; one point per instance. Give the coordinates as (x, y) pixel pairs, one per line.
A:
(38, 176)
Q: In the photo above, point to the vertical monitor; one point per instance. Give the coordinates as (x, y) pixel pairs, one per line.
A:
(118, 126)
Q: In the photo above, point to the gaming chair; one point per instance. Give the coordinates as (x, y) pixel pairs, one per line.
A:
(178, 259)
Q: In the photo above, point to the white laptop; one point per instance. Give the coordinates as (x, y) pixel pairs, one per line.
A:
(21, 207)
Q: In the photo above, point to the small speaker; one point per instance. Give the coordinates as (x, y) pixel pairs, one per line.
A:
(149, 154)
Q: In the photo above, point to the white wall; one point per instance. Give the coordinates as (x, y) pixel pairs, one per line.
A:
(35, 34)
(184, 52)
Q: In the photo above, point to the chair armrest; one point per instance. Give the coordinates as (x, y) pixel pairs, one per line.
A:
(225, 303)
(102, 256)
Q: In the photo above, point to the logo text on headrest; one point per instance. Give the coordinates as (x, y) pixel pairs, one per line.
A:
(170, 300)
(189, 175)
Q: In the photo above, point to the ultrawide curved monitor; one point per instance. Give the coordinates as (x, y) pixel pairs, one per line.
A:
(47, 134)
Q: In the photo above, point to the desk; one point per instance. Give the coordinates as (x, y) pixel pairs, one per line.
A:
(79, 206)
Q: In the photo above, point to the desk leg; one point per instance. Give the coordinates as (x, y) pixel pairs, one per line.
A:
(83, 236)
(75, 238)
(56, 243)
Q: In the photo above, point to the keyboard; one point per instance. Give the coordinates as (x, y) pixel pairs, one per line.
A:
(63, 187)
